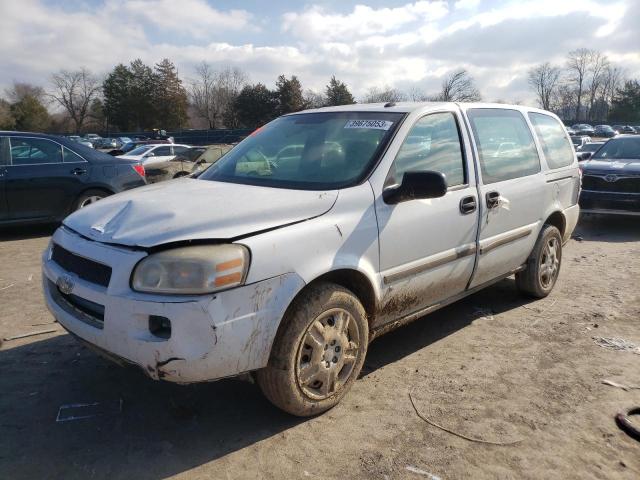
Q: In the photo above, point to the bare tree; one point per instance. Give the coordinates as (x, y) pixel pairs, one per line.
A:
(598, 64)
(611, 81)
(417, 95)
(459, 87)
(383, 95)
(20, 90)
(75, 91)
(313, 99)
(578, 66)
(213, 92)
(544, 80)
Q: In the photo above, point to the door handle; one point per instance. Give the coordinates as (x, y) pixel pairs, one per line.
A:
(78, 171)
(468, 205)
(493, 199)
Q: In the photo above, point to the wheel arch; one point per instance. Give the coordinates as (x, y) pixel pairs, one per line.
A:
(558, 220)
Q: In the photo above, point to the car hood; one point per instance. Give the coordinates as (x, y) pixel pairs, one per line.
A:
(190, 209)
(631, 166)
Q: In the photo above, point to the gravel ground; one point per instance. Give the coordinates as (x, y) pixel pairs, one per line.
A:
(494, 366)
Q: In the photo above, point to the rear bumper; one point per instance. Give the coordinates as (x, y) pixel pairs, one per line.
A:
(609, 203)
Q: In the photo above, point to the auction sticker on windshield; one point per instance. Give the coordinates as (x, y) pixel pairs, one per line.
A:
(375, 124)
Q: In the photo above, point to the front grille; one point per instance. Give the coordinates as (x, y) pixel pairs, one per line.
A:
(84, 310)
(623, 185)
(84, 268)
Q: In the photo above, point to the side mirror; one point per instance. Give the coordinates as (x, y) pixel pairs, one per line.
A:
(582, 156)
(150, 154)
(416, 185)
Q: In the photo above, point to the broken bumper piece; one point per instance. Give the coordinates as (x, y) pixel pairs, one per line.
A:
(211, 336)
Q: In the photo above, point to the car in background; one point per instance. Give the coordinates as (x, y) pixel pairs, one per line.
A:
(611, 178)
(579, 140)
(212, 154)
(154, 155)
(43, 178)
(570, 130)
(93, 138)
(604, 131)
(585, 151)
(107, 143)
(181, 165)
(127, 147)
(583, 129)
(628, 129)
(120, 141)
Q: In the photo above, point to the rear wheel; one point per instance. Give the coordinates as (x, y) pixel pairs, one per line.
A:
(318, 353)
(543, 265)
(89, 197)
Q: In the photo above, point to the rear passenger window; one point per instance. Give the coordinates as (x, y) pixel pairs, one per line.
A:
(34, 151)
(505, 144)
(71, 157)
(551, 135)
(162, 151)
(433, 143)
(5, 152)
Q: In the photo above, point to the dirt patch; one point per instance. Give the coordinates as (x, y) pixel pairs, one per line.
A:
(495, 366)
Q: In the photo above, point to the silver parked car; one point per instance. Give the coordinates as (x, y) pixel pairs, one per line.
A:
(316, 234)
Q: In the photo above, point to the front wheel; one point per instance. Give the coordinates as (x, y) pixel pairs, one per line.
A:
(543, 266)
(318, 353)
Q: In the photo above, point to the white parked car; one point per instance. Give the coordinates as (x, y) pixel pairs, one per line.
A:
(155, 155)
(313, 236)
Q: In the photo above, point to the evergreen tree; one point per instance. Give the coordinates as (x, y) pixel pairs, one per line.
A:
(289, 95)
(7, 122)
(116, 90)
(30, 115)
(626, 103)
(337, 93)
(170, 96)
(142, 105)
(255, 106)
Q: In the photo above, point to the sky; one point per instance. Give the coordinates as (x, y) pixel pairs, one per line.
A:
(367, 43)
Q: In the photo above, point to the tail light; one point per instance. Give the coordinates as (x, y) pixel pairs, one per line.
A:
(139, 169)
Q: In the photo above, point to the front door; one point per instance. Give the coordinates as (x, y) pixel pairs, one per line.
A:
(512, 191)
(427, 247)
(40, 184)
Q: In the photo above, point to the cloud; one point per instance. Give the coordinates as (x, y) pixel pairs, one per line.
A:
(191, 17)
(319, 25)
(413, 45)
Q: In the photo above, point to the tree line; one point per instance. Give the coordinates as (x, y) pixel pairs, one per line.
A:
(137, 96)
(586, 87)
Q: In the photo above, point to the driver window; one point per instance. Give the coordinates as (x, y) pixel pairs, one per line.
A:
(162, 151)
(433, 143)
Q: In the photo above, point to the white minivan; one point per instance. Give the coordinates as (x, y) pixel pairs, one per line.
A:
(313, 236)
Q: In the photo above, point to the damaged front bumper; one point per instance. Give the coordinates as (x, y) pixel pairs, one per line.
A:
(211, 336)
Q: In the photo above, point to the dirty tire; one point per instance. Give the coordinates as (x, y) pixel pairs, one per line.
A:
(543, 267)
(323, 319)
(89, 197)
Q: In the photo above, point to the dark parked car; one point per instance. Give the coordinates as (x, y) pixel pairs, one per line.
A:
(43, 178)
(611, 179)
(583, 129)
(604, 131)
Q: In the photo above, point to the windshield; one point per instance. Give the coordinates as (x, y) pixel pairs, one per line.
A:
(140, 150)
(314, 151)
(619, 149)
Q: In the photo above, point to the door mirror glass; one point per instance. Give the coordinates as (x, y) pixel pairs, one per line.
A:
(150, 154)
(416, 185)
(582, 156)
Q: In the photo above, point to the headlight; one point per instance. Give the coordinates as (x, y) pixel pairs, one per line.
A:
(192, 270)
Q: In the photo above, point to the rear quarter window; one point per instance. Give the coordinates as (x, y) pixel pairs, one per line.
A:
(551, 135)
(505, 144)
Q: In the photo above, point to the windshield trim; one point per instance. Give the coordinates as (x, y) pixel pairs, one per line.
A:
(375, 160)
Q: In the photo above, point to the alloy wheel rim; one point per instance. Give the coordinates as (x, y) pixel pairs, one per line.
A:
(549, 263)
(89, 200)
(328, 354)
